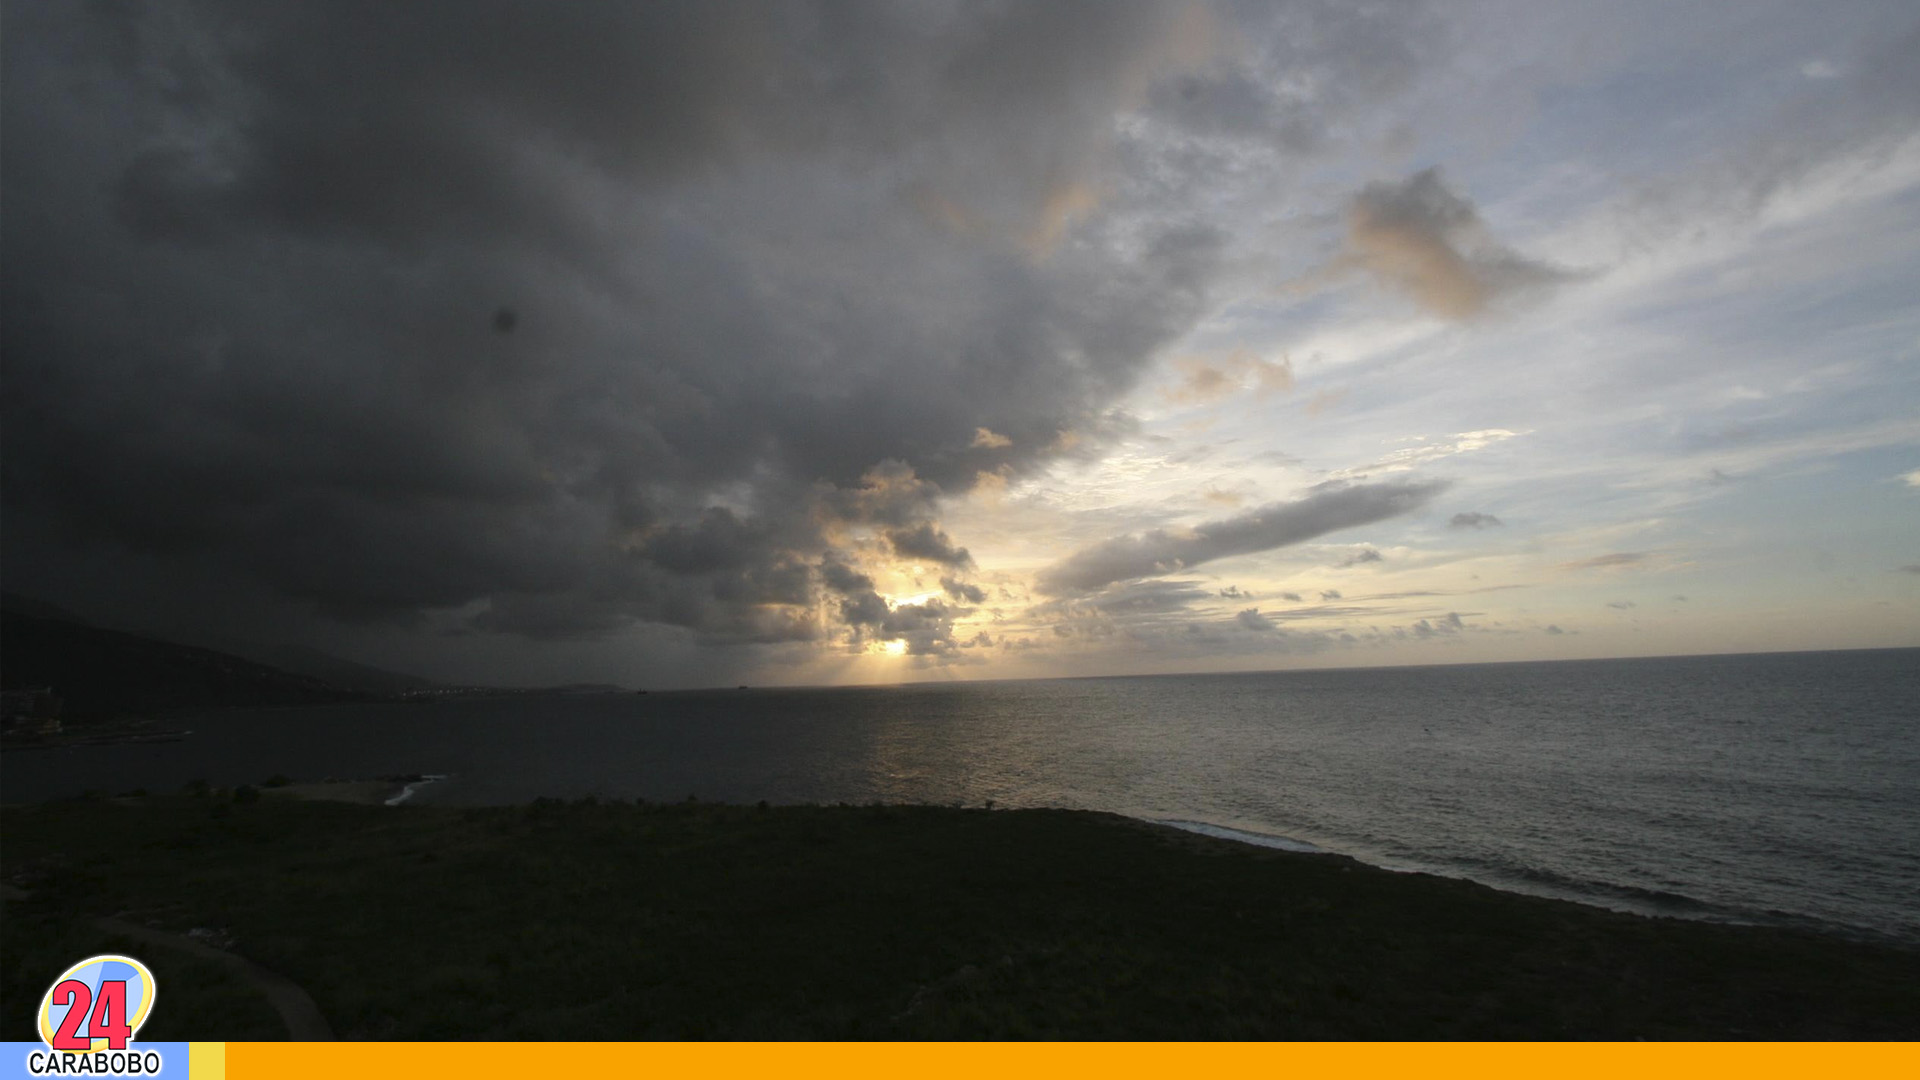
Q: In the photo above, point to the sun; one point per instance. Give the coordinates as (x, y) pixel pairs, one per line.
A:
(896, 647)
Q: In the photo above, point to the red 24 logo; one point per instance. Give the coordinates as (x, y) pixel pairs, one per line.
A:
(102, 999)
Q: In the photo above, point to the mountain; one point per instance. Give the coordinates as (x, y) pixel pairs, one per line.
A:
(27, 605)
(338, 671)
(102, 673)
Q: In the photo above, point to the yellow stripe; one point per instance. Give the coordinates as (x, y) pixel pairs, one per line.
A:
(207, 1061)
(1053, 1061)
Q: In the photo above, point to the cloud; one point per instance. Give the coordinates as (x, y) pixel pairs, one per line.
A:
(1911, 568)
(1324, 400)
(1293, 596)
(1621, 605)
(1613, 561)
(1365, 555)
(925, 541)
(926, 628)
(1551, 629)
(500, 315)
(1251, 619)
(1330, 594)
(1452, 624)
(962, 592)
(1330, 507)
(1912, 478)
(1420, 239)
(1203, 380)
(1474, 520)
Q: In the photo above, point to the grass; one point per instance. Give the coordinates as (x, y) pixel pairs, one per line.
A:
(619, 921)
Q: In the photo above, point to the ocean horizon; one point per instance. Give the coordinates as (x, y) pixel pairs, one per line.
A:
(1776, 789)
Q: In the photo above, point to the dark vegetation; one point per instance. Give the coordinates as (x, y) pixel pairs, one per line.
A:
(597, 920)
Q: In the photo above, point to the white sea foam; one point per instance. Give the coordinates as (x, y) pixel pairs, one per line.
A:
(407, 792)
(1283, 843)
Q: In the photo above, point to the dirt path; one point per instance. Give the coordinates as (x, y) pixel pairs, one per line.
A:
(297, 1010)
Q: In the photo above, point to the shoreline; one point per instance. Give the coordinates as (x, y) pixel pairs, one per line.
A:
(713, 921)
(379, 791)
(402, 789)
(399, 791)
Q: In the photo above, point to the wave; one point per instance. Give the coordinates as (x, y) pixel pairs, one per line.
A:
(419, 782)
(1266, 840)
(1539, 881)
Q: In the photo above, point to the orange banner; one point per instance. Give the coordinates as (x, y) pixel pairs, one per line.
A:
(1010, 1061)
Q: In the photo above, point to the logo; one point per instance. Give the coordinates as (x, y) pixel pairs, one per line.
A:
(89, 1016)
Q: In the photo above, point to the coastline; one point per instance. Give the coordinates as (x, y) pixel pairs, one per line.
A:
(1204, 836)
(380, 791)
(696, 920)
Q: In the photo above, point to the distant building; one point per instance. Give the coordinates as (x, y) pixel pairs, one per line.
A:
(33, 711)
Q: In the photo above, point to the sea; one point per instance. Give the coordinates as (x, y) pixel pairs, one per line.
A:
(1779, 789)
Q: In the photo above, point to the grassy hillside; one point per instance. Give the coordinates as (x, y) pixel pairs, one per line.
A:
(622, 921)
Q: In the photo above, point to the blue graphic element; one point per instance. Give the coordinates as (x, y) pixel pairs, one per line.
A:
(173, 1056)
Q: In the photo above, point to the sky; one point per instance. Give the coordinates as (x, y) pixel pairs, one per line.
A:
(691, 344)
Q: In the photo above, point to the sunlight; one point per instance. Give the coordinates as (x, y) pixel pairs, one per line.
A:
(896, 647)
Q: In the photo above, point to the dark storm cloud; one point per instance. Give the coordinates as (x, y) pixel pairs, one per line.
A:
(925, 541)
(1330, 507)
(562, 317)
(844, 579)
(1474, 520)
(962, 592)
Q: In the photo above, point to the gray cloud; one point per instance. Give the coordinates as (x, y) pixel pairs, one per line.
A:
(549, 321)
(925, 541)
(1330, 507)
(1251, 619)
(1365, 555)
(1610, 561)
(1473, 520)
(1911, 568)
(962, 592)
(1421, 239)
(1427, 628)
